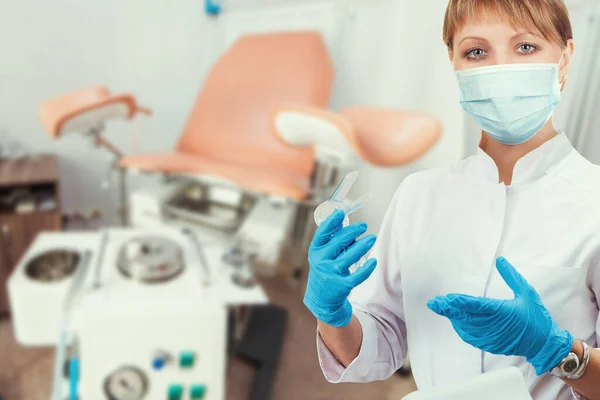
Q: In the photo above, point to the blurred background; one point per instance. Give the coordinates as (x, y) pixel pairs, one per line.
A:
(370, 89)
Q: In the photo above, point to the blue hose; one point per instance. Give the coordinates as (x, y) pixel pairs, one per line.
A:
(73, 378)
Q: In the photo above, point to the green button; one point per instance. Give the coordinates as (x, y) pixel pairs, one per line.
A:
(186, 359)
(175, 392)
(197, 391)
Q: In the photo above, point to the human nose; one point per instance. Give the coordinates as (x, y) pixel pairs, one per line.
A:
(501, 57)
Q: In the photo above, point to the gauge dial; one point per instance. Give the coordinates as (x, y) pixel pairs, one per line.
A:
(126, 383)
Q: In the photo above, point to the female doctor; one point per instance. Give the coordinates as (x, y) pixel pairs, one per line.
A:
(490, 263)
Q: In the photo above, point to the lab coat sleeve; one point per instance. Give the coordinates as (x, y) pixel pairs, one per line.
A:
(378, 306)
(595, 285)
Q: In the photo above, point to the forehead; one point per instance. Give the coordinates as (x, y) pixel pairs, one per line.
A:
(492, 28)
(502, 11)
(491, 17)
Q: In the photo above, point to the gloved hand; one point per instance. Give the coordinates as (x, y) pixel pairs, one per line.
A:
(518, 327)
(332, 252)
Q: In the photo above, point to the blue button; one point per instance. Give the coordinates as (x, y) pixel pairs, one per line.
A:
(158, 363)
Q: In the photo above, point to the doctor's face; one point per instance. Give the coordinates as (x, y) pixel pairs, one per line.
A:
(481, 44)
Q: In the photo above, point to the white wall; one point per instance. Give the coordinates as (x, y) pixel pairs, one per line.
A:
(580, 116)
(390, 54)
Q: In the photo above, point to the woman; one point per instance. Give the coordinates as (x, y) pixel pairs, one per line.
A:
(490, 263)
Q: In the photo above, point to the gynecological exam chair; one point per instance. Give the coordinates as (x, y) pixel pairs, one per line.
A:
(260, 129)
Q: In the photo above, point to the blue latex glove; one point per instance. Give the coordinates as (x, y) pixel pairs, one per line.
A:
(332, 252)
(518, 327)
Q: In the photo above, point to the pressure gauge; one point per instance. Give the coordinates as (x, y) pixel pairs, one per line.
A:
(126, 383)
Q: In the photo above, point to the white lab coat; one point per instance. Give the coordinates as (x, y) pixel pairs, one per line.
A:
(442, 233)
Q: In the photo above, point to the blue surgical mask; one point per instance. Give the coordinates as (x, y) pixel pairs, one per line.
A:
(510, 102)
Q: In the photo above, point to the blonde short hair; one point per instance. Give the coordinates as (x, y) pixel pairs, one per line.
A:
(548, 18)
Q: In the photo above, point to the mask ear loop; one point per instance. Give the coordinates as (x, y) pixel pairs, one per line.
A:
(563, 81)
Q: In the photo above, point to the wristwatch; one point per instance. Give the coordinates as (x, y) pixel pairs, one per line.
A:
(567, 367)
(571, 367)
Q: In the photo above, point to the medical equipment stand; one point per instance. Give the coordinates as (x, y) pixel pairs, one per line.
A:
(101, 141)
(261, 346)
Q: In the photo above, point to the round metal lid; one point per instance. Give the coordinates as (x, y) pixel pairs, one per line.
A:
(150, 259)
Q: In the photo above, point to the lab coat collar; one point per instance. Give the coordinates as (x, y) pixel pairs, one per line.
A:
(533, 165)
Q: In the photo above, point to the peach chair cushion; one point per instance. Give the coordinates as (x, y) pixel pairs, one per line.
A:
(253, 179)
(380, 136)
(391, 137)
(230, 120)
(84, 109)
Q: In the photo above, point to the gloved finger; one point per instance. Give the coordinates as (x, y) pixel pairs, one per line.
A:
(357, 250)
(513, 279)
(439, 306)
(363, 273)
(329, 227)
(346, 237)
(472, 304)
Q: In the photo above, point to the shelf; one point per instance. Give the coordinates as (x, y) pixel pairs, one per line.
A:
(33, 170)
(28, 214)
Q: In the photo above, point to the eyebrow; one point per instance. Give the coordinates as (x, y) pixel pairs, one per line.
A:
(472, 37)
(485, 40)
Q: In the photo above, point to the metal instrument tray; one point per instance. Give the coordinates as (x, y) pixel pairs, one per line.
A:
(220, 207)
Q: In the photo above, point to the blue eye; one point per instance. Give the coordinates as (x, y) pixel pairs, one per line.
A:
(526, 48)
(475, 53)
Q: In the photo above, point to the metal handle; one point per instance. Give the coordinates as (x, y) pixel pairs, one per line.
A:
(76, 284)
(98, 267)
(200, 250)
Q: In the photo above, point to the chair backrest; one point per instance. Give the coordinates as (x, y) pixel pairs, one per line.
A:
(230, 120)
